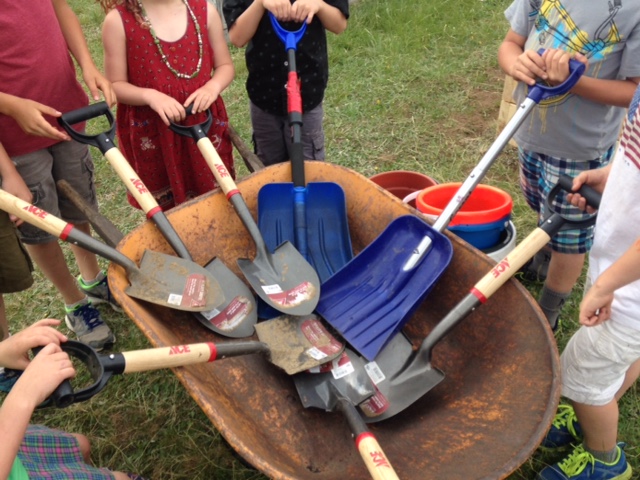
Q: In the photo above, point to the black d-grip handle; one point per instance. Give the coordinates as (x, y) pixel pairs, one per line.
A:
(102, 141)
(198, 131)
(63, 395)
(592, 197)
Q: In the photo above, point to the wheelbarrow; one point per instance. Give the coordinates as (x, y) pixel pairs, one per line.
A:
(502, 363)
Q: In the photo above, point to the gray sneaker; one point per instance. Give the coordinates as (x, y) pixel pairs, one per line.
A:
(86, 323)
(99, 292)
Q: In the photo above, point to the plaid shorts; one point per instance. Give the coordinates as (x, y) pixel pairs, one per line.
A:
(538, 175)
(53, 454)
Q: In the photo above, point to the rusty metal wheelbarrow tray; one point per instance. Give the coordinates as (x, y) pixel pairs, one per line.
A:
(484, 421)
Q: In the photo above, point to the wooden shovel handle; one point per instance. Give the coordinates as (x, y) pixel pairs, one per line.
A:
(374, 458)
(34, 215)
(132, 181)
(223, 177)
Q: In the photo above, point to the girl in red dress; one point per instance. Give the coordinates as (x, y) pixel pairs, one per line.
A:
(162, 56)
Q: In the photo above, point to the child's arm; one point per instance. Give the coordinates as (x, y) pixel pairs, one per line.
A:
(596, 304)
(331, 17)
(30, 116)
(12, 182)
(223, 70)
(40, 378)
(72, 31)
(245, 26)
(606, 91)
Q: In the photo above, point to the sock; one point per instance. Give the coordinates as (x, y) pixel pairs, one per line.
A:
(540, 263)
(90, 283)
(609, 456)
(73, 306)
(551, 303)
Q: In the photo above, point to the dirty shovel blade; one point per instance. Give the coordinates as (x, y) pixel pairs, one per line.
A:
(284, 279)
(371, 297)
(237, 316)
(298, 343)
(326, 231)
(175, 283)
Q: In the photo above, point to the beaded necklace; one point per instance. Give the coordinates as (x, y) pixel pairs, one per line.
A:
(159, 45)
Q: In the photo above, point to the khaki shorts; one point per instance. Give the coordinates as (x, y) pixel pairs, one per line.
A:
(15, 264)
(41, 170)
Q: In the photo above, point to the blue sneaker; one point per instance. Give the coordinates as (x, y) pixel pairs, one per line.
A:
(565, 429)
(86, 323)
(8, 378)
(581, 465)
(99, 292)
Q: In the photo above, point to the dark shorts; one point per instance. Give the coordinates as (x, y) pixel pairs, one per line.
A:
(538, 175)
(70, 161)
(272, 135)
(47, 453)
(15, 264)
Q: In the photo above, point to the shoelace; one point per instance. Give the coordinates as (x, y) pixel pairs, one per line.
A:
(90, 316)
(576, 462)
(566, 416)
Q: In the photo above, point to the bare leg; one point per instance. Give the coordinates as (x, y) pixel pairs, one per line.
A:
(599, 425)
(564, 271)
(85, 447)
(87, 261)
(50, 258)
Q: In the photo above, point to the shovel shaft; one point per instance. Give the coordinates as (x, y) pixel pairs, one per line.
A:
(182, 355)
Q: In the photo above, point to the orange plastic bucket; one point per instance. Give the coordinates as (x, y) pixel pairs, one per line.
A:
(403, 182)
(481, 219)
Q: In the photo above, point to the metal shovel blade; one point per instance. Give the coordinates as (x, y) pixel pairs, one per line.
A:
(237, 315)
(175, 283)
(326, 232)
(372, 297)
(283, 279)
(346, 378)
(298, 343)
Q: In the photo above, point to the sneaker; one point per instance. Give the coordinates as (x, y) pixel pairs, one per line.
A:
(99, 292)
(581, 465)
(8, 378)
(565, 429)
(85, 322)
(535, 270)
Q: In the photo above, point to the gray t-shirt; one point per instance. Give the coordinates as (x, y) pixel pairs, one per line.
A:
(608, 33)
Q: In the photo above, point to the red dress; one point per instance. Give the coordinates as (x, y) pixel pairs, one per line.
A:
(170, 165)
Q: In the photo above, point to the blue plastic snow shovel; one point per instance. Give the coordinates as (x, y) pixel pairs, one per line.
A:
(375, 294)
(311, 216)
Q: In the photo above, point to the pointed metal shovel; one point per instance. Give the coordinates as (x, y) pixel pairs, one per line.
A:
(418, 375)
(284, 279)
(161, 279)
(238, 314)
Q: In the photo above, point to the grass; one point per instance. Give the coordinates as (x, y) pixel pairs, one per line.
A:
(413, 86)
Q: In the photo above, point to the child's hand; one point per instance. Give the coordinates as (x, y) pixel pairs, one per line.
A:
(202, 99)
(97, 82)
(14, 184)
(304, 10)
(14, 351)
(30, 115)
(281, 9)
(528, 67)
(596, 179)
(168, 108)
(596, 306)
(48, 369)
(557, 64)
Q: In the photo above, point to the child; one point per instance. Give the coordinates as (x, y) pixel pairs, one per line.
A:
(577, 131)
(602, 359)
(159, 56)
(248, 23)
(33, 451)
(32, 76)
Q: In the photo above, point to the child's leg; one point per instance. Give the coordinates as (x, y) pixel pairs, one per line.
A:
(313, 134)
(85, 447)
(269, 136)
(599, 425)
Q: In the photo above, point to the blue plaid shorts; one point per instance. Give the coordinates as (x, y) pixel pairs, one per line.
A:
(538, 175)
